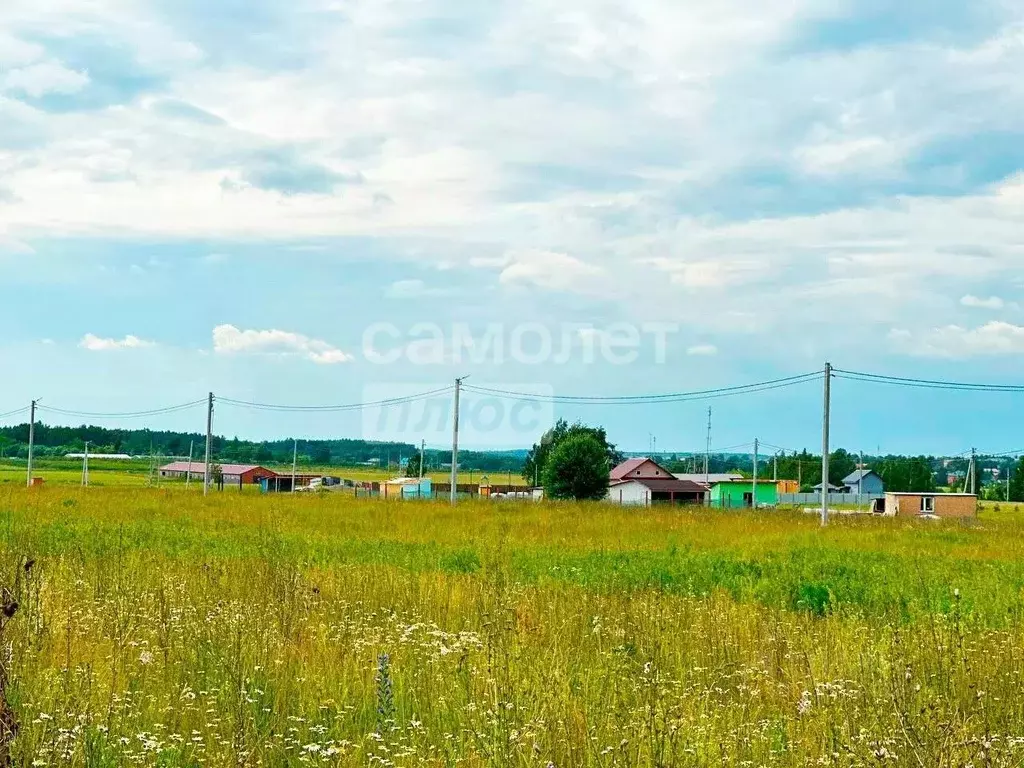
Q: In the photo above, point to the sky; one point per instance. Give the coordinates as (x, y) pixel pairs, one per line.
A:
(319, 201)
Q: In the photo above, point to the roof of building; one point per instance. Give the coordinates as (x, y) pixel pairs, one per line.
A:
(831, 487)
(858, 475)
(709, 479)
(408, 481)
(629, 466)
(227, 469)
(663, 485)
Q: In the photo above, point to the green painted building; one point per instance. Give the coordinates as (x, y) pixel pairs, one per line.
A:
(737, 494)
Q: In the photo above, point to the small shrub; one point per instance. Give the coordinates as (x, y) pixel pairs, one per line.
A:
(461, 561)
(814, 598)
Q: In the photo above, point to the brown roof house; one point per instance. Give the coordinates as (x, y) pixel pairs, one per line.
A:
(233, 474)
(643, 482)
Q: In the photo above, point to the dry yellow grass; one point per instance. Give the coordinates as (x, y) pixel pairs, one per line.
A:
(160, 628)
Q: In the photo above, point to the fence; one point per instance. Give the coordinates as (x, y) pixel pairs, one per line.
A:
(838, 499)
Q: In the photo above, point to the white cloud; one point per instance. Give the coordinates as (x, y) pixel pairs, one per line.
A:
(10, 245)
(702, 350)
(15, 52)
(709, 273)
(228, 340)
(992, 302)
(656, 142)
(844, 156)
(45, 77)
(412, 289)
(547, 269)
(956, 342)
(97, 344)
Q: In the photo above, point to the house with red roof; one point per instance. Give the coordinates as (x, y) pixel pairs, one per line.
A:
(643, 482)
(233, 474)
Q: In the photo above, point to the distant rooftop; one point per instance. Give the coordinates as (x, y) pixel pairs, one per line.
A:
(197, 467)
(710, 479)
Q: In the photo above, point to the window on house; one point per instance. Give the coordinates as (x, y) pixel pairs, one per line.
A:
(927, 505)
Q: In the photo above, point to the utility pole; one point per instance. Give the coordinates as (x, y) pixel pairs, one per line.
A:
(188, 474)
(707, 453)
(209, 443)
(825, 444)
(295, 461)
(1009, 471)
(423, 453)
(974, 472)
(753, 499)
(455, 442)
(31, 441)
(85, 466)
(775, 468)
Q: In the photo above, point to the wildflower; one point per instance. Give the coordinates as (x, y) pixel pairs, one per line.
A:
(146, 658)
(804, 705)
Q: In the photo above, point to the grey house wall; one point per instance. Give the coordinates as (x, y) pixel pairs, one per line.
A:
(871, 485)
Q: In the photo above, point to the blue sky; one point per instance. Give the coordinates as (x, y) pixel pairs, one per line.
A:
(227, 199)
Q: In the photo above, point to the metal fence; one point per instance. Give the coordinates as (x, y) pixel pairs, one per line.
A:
(839, 499)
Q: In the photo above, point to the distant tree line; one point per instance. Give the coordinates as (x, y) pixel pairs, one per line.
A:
(53, 441)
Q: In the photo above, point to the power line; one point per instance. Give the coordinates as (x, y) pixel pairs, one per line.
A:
(676, 397)
(926, 383)
(124, 415)
(14, 413)
(334, 408)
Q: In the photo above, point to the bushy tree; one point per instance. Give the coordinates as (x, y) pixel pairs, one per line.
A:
(1017, 481)
(412, 466)
(577, 469)
(537, 458)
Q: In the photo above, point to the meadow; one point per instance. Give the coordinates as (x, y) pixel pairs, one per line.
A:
(155, 627)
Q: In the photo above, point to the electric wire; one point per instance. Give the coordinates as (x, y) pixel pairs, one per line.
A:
(13, 413)
(123, 415)
(925, 383)
(335, 408)
(677, 397)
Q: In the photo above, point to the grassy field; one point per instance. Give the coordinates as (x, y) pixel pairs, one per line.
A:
(159, 628)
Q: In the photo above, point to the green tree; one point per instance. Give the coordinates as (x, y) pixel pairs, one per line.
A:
(577, 469)
(840, 466)
(536, 460)
(1017, 481)
(412, 467)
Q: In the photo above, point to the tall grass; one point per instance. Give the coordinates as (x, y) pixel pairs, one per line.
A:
(159, 628)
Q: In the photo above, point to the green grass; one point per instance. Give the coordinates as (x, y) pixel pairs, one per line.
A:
(161, 628)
